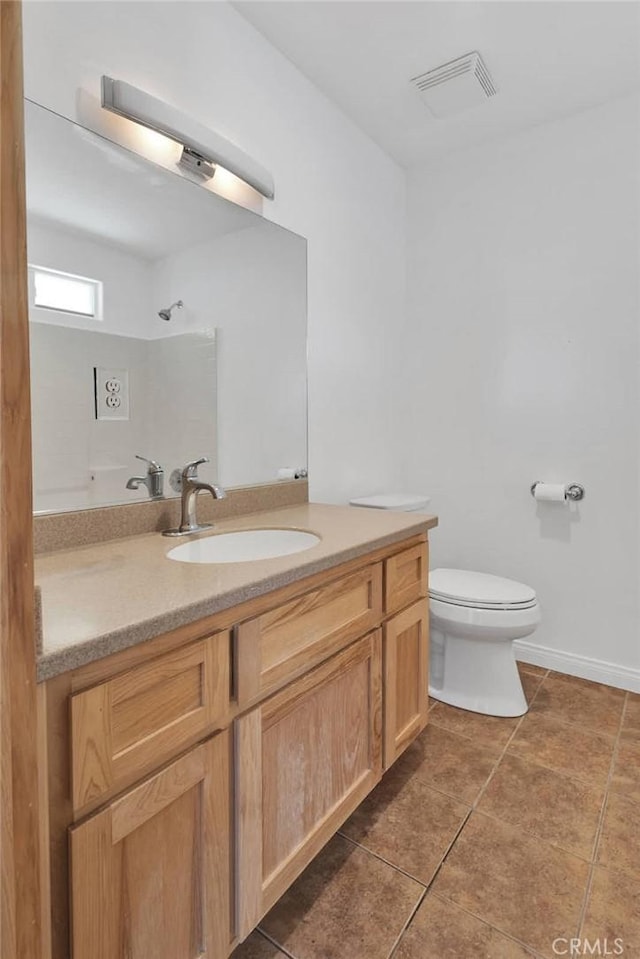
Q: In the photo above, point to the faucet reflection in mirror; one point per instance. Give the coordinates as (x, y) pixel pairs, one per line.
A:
(154, 479)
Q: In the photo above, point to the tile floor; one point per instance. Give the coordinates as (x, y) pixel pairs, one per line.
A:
(488, 839)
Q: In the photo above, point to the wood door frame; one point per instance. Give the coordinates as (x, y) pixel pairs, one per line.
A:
(20, 879)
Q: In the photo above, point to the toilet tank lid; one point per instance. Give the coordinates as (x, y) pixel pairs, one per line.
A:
(470, 587)
(405, 502)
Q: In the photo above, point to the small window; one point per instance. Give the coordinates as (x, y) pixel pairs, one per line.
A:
(66, 293)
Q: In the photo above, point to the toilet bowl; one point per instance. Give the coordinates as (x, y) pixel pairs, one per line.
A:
(474, 618)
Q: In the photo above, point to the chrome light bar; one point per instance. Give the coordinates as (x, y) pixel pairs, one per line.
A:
(201, 147)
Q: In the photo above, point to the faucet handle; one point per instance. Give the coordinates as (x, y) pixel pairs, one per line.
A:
(191, 469)
(152, 465)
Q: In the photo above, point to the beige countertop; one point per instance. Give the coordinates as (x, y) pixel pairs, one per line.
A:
(99, 599)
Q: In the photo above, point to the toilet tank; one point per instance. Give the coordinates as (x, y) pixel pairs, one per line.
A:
(404, 502)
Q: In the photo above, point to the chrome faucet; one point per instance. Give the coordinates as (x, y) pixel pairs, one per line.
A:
(154, 480)
(186, 483)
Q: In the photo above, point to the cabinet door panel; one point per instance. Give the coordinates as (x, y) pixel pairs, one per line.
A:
(406, 577)
(285, 642)
(316, 754)
(132, 723)
(406, 678)
(151, 874)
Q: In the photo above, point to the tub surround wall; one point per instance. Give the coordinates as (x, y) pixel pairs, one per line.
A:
(81, 461)
(78, 460)
(522, 353)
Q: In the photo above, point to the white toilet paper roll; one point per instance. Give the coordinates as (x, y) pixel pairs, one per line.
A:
(550, 492)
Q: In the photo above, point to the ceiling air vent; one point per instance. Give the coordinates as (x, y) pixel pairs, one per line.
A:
(456, 85)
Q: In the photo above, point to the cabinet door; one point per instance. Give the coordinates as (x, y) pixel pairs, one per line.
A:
(406, 577)
(305, 759)
(150, 874)
(136, 721)
(275, 648)
(406, 678)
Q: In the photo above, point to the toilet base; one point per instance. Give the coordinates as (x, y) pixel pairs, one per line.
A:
(479, 675)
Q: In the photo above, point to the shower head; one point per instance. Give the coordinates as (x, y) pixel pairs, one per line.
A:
(166, 314)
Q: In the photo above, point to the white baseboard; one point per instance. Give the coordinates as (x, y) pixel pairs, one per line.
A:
(598, 670)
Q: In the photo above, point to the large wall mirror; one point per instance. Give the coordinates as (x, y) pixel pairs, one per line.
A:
(114, 242)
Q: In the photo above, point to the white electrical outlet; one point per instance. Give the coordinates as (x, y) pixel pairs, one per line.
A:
(111, 394)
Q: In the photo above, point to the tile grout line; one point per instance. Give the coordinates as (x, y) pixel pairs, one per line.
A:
(474, 808)
(466, 819)
(603, 811)
(470, 739)
(274, 942)
(471, 809)
(507, 935)
(532, 835)
(370, 852)
(407, 923)
(431, 881)
(506, 746)
(552, 717)
(566, 722)
(425, 886)
(451, 845)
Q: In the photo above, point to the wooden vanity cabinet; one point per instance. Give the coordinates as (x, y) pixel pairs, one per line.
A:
(192, 780)
(306, 758)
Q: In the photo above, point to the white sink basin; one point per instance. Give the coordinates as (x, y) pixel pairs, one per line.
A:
(244, 546)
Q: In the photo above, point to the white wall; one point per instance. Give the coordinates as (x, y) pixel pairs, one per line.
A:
(334, 186)
(127, 294)
(522, 365)
(251, 286)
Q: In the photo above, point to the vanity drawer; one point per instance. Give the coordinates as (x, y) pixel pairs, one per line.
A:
(279, 645)
(406, 577)
(141, 718)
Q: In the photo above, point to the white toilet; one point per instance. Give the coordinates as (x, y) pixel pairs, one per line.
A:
(474, 618)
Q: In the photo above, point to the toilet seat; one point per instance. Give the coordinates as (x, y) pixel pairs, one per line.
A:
(459, 602)
(477, 622)
(465, 588)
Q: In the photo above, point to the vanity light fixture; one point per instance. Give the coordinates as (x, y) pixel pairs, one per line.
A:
(202, 149)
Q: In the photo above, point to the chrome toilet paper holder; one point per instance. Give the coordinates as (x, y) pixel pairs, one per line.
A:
(572, 491)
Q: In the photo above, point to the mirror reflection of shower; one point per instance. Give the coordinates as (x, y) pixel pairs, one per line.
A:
(166, 314)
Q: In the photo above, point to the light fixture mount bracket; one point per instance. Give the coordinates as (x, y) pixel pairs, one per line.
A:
(194, 162)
